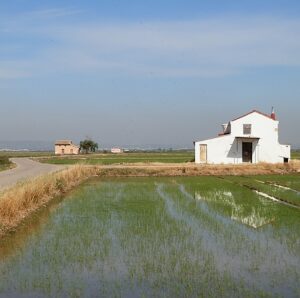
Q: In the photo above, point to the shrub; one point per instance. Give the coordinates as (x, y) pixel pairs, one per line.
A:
(4, 160)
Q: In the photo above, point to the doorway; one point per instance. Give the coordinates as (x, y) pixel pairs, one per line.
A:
(247, 152)
(203, 153)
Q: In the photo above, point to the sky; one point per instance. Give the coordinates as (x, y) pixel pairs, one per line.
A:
(146, 73)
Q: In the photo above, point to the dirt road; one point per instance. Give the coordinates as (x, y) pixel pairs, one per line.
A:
(25, 169)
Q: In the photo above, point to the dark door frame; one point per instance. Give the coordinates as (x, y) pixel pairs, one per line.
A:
(247, 152)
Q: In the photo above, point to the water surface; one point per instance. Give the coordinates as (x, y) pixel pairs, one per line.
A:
(155, 237)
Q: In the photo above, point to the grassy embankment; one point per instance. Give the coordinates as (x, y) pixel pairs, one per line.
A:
(134, 157)
(23, 199)
(199, 170)
(26, 153)
(5, 163)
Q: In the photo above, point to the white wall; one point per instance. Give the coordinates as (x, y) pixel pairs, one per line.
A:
(228, 148)
(217, 149)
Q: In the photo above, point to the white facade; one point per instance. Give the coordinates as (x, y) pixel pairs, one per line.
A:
(250, 138)
(116, 150)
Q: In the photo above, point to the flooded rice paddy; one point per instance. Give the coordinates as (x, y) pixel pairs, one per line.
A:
(156, 237)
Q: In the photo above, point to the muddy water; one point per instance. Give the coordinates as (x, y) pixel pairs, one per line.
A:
(167, 237)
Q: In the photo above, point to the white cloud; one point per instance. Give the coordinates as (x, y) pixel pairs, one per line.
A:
(29, 22)
(210, 47)
(51, 13)
(233, 42)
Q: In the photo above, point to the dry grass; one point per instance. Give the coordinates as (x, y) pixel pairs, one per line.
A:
(20, 201)
(198, 170)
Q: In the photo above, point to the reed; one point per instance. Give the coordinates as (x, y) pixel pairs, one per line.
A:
(23, 199)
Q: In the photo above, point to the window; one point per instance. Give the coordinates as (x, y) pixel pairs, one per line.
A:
(247, 129)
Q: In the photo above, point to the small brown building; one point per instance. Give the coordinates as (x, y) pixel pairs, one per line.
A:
(66, 147)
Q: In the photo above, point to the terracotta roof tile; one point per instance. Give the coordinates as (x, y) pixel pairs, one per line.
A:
(63, 142)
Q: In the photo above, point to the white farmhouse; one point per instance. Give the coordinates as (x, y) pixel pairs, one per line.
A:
(251, 138)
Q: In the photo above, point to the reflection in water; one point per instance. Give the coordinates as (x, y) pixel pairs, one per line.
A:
(16, 241)
(256, 216)
(254, 220)
(246, 253)
(150, 237)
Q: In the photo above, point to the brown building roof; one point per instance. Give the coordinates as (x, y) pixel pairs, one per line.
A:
(63, 142)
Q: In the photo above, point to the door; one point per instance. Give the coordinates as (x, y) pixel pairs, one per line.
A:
(247, 152)
(203, 153)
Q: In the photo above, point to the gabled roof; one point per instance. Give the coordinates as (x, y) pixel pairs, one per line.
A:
(63, 142)
(254, 111)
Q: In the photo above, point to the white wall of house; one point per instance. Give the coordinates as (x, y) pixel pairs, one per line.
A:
(227, 148)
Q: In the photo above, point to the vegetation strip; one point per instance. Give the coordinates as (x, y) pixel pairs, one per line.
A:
(5, 163)
(275, 199)
(256, 190)
(280, 186)
(20, 201)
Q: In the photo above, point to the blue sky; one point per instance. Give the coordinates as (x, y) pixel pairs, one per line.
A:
(146, 73)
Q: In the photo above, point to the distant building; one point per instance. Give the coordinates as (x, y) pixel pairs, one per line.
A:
(116, 150)
(66, 147)
(251, 138)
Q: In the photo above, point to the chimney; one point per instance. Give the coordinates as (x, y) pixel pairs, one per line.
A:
(224, 126)
(273, 116)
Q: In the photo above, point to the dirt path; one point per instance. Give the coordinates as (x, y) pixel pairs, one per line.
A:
(26, 168)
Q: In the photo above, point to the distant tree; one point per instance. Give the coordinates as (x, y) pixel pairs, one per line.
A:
(94, 146)
(88, 145)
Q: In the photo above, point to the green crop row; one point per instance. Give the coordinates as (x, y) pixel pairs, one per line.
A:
(157, 237)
